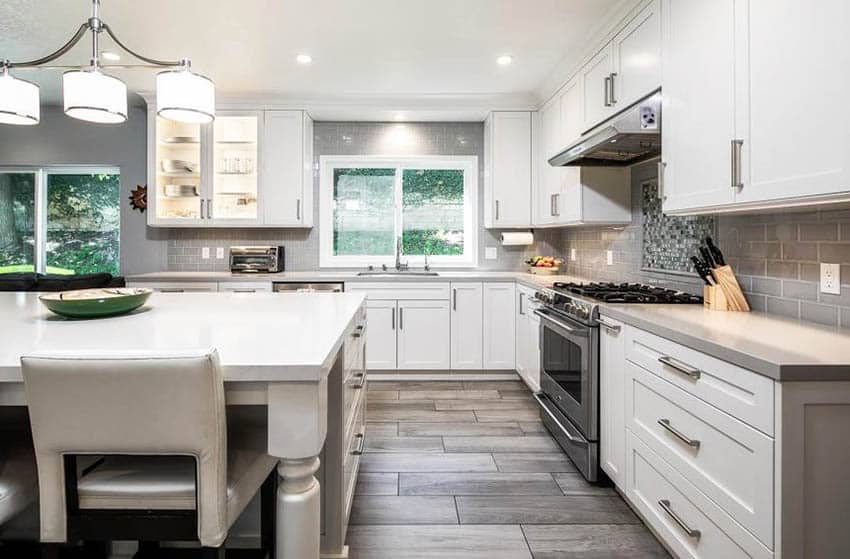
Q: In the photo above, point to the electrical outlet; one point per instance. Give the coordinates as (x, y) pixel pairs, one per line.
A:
(219, 253)
(573, 254)
(490, 253)
(205, 253)
(609, 255)
(830, 278)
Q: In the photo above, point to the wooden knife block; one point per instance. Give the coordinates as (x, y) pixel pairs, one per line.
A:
(727, 294)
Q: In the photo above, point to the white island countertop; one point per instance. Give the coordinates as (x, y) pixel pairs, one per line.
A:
(260, 337)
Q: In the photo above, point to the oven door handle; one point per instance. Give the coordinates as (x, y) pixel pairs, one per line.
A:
(573, 439)
(571, 329)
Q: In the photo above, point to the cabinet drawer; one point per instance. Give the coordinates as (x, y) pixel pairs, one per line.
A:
(396, 290)
(673, 507)
(351, 462)
(245, 286)
(178, 287)
(725, 459)
(354, 343)
(743, 394)
(353, 393)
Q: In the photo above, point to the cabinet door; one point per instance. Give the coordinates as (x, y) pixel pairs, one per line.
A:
(381, 334)
(521, 357)
(548, 186)
(532, 341)
(612, 400)
(423, 335)
(500, 326)
(796, 99)
(467, 326)
(282, 196)
(569, 203)
(596, 98)
(637, 57)
(234, 139)
(698, 66)
(175, 173)
(508, 169)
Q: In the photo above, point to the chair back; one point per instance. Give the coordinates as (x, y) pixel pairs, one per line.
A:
(132, 404)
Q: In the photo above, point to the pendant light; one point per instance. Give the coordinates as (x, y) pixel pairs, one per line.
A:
(185, 96)
(19, 100)
(93, 96)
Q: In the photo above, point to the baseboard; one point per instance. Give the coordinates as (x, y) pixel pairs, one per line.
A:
(449, 375)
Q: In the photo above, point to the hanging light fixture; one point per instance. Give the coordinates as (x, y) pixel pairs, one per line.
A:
(90, 94)
(19, 99)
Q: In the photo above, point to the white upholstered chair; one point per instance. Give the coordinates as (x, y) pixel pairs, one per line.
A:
(170, 470)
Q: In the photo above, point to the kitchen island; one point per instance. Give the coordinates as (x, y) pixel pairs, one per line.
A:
(288, 353)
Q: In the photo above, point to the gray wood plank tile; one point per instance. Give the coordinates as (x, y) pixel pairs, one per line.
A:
(424, 462)
(532, 427)
(369, 483)
(600, 541)
(507, 415)
(420, 415)
(448, 394)
(427, 405)
(494, 385)
(570, 509)
(404, 444)
(379, 385)
(382, 509)
(477, 484)
(388, 429)
(437, 542)
(539, 463)
(485, 405)
(465, 429)
(382, 395)
(526, 443)
(575, 484)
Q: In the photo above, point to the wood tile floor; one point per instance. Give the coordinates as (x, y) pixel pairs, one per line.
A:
(465, 470)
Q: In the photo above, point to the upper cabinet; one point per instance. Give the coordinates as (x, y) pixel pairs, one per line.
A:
(735, 83)
(508, 169)
(245, 169)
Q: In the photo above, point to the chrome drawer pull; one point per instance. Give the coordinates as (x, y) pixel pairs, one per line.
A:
(681, 367)
(362, 382)
(358, 331)
(611, 327)
(361, 443)
(665, 504)
(678, 434)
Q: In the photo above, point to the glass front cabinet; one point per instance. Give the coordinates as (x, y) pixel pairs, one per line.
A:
(233, 172)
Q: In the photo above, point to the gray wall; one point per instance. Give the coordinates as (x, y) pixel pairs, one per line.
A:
(60, 140)
(358, 138)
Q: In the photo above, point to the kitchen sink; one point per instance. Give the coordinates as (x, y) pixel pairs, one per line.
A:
(398, 273)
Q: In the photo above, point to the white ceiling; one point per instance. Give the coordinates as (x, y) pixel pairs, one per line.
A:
(388, 56)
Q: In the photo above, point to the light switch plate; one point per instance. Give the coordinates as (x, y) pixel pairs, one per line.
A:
(573, 254)
(490, 253)
(219, 253)
(830, 278)
(205, 253)
(609, 256)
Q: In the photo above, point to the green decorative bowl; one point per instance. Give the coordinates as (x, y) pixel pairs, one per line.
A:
(95, 303)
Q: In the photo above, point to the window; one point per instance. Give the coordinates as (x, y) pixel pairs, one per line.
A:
(59, 221)
(368, 203)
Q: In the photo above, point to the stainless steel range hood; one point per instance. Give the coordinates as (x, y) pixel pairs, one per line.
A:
(631, 136)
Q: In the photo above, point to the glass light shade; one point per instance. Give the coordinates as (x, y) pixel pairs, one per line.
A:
(95, 97)
(19, 101)
(185, 96)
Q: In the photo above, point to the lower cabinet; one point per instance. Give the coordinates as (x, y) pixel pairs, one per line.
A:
(423, 335)
(612, 401)
(177, 286)
(381, 335)
(467, 327)
(500, 326)
(527, 339)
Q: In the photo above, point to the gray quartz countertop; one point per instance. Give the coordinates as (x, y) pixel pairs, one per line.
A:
(780, 348)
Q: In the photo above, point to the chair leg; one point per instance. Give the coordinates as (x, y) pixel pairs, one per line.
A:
(212, 552)
(50, 550)
(268, 508)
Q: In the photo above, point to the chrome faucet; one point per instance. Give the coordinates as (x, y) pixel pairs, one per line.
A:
(399, 265)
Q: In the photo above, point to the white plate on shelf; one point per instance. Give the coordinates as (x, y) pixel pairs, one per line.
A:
(180, 140)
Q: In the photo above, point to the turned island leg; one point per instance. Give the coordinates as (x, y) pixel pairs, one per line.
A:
(298, 510)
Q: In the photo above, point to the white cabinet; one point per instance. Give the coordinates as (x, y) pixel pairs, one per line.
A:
(548, 188)
(612, 400)
(381, 334)
(637, 57)
(732, 135)
(508, 169)
(527, 339)
(500, 326)
(177, 286)
(596, 78)
(245, 287)
(287, 181)
(467, 330)
(423, 335)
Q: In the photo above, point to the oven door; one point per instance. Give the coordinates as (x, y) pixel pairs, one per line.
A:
(569, 370)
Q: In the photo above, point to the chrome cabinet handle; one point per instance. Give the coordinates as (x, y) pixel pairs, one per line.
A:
(361, 444)
(736, 163)
(454, 299)
(209, 208)
(358, 331)
(665, 504)
(497, 210)
(393, 320)
(608, 326)
(607, 90)
(521, 297)
(661, 167)
(401, 318)
(692, 372)
(244, 290)
(552, 205)
(172, 290)
(362, 383)
(613, 84)
(202, 208)
(678, 434)
(298, 209)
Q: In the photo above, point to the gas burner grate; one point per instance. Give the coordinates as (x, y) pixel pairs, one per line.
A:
(611, 292)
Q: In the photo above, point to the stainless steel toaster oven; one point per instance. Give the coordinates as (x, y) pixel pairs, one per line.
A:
(257, 259)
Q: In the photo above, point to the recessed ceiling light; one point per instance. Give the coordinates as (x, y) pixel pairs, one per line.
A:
(304, 59)
(504, 60)
(111, 56)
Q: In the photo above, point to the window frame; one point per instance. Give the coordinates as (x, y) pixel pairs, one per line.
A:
(41, 173)
(466, 163)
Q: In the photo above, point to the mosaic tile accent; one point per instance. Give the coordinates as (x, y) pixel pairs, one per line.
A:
(670, 241)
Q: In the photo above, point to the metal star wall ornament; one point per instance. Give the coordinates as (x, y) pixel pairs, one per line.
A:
(139, 198)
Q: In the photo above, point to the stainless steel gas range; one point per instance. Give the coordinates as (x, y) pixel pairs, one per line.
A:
(569, 360)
